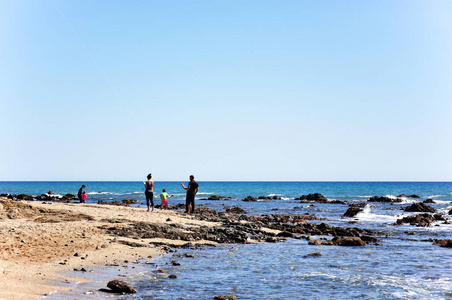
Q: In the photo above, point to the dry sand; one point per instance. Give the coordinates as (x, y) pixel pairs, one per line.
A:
(41, 241)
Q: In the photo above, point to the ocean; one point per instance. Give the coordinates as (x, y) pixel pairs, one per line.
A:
(403, 265)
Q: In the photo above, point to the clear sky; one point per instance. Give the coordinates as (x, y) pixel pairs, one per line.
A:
(226, 90)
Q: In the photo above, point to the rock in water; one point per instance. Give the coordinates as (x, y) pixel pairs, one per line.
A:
(226, 297)
(420, 207)
(352, 211)
(120, 287)
(384, 199)
(249, 198)
(443, 243)
(316, 197)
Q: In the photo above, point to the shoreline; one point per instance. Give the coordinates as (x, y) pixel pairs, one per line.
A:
(42, 243)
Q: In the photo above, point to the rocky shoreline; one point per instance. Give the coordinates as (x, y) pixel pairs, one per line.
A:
(166, 230)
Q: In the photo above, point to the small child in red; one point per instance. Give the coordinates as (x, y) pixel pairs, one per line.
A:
(83, 197)
(163, 197)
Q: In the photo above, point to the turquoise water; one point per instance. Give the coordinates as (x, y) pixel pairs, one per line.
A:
(404, 266)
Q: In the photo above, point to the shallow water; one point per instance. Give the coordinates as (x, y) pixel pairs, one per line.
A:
(404, 266)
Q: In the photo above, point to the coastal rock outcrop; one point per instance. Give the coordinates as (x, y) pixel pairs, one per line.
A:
(408, 196)
(352, 211)
(269, 198)
(225, 297)
(429, 200)
(316, 197)
(339, 241)
(447, 243)
(384, 199)
(249, 199)
(235, 210)
(420, 207)
(420, 220)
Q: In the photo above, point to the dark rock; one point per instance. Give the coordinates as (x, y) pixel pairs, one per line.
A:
(129, 201)
(269, 198)
(249, 198)
(450, 212)
(352, 211)
(439, 217)
(420, 220)
(420, 207)
(348, 241)
(361, 204)
(235, 210)
(429, 200)
(369, 239)
(337, 202)
(285, 234)
(116, 202)
(443, 243)
(315, 254)
(408, 196)
(175, 263)
(120, 287)
(317, 197)
(24, 197)
(172, 276)
(339, 241)
(319, 242)
(226, 297)
(384, 199)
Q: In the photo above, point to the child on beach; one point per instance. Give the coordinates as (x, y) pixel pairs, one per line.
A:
(84, 196)
(163, 197)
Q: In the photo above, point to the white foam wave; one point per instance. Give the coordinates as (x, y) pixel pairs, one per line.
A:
(204, 193)
(442, 202)
(366, 215)
(105, 193)
(54, 195)
(273, 195)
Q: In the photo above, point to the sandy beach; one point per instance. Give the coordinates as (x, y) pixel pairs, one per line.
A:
(39, 241)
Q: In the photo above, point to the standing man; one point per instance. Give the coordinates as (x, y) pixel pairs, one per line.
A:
(192, 190)
(149, 192)
(80, 193)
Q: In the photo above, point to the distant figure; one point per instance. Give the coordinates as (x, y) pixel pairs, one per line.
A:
(84, 196)
(80, 192)
(163, 197)
(149, 192)
(192, 190)
(50, 192)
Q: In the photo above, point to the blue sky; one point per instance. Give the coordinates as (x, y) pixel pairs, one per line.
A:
(226, 90)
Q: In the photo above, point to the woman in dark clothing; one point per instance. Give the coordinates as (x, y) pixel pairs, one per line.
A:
(149, 192)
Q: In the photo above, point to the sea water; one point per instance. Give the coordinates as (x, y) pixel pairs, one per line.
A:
(404, 265)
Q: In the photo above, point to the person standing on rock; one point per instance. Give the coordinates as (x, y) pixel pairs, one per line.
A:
(192, 190)
(80, 193)
(149, 192)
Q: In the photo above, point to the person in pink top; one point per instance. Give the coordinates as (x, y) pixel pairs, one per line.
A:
(84, 196)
